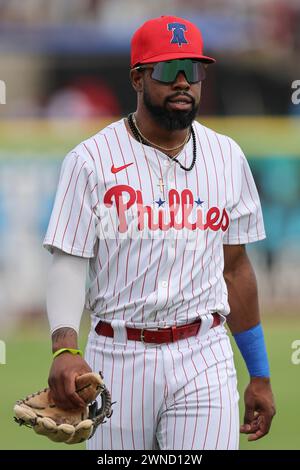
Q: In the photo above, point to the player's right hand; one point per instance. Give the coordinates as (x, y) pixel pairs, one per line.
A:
(65, 368)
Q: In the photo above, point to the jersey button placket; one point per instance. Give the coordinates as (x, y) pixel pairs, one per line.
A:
(163, 285)
(162, 289)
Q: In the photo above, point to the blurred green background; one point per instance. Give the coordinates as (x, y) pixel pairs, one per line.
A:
(29, 359)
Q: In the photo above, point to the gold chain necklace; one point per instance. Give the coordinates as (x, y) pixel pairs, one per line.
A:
(156, 145)
(138, 137)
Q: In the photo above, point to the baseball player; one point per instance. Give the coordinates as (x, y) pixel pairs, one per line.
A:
(157, 209)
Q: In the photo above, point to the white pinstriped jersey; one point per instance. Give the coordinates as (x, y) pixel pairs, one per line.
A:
(156, 252)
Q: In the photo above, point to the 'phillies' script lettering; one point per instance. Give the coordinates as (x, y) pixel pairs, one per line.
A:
(180, 207)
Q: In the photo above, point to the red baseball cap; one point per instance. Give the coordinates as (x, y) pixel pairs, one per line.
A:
(167, 38)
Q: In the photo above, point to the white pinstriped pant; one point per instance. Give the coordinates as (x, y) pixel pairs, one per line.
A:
(180, 395)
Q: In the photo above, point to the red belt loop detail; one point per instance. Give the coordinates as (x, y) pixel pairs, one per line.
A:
(159, 336)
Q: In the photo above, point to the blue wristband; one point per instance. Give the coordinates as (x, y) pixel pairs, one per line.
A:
(252, 346)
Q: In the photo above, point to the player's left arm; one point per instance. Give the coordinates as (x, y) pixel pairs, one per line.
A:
(244, 323)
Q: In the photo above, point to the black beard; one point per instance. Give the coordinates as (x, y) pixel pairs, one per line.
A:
(170, 120)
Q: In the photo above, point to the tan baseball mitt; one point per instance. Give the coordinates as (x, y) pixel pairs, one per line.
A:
(39, 412)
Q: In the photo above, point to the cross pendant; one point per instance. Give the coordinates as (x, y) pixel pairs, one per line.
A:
(161, 185)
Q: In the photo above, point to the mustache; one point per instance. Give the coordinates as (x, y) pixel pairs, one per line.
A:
(178, 94)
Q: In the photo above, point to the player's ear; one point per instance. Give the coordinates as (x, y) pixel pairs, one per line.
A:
(137, 81)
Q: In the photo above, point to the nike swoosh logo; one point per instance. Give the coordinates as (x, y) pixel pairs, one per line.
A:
(115, 169)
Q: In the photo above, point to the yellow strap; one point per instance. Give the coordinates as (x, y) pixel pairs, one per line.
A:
(70, 350)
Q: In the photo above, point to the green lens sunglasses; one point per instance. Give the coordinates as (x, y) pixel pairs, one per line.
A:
(167, 71)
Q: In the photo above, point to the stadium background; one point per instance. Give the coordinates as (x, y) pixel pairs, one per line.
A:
(65, 66)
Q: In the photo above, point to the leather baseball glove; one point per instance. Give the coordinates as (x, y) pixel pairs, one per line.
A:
(39, 412)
